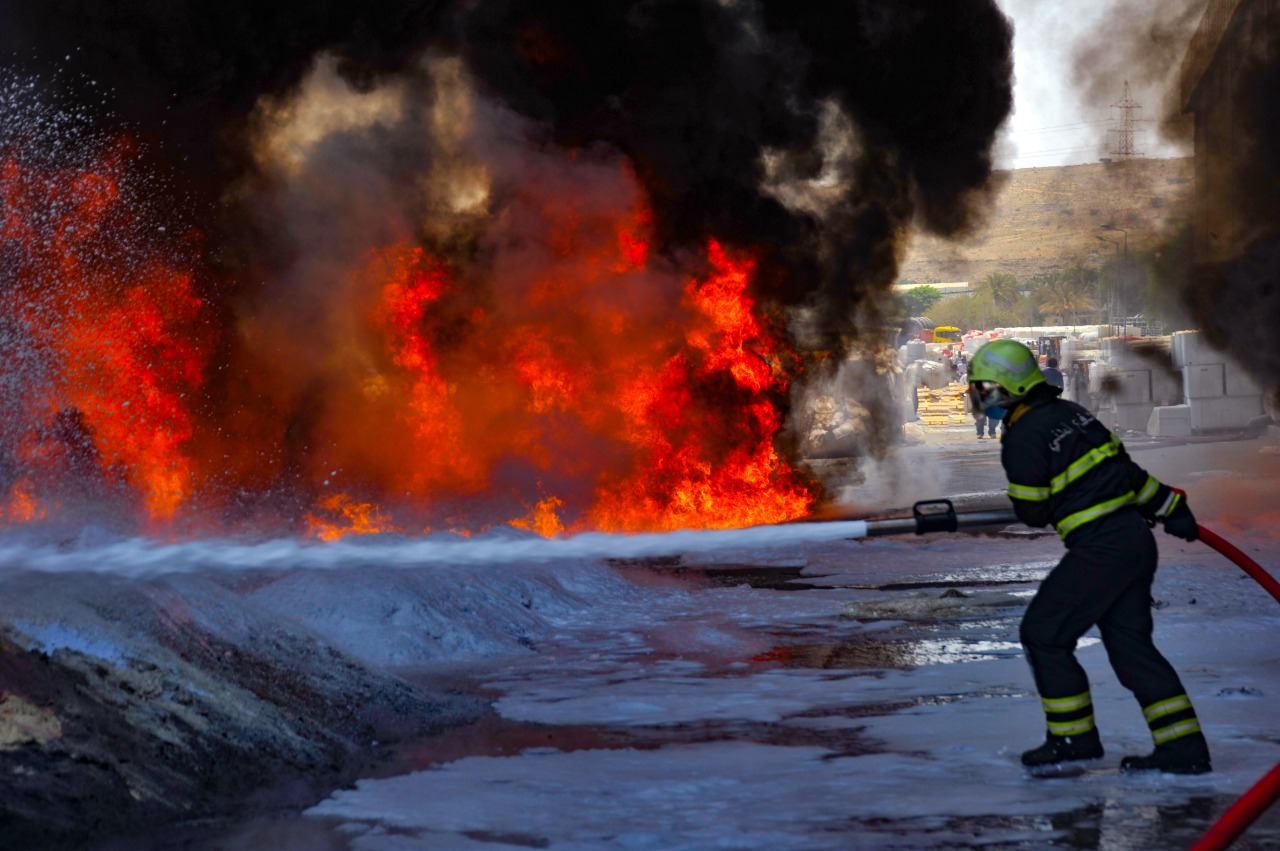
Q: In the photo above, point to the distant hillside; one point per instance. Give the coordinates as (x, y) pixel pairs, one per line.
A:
(1045, 218)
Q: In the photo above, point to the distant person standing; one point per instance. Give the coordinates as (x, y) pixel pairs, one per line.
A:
(1052, 375)
(985, 423)
(1078, 386)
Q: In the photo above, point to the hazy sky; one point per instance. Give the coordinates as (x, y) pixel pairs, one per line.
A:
(1071, 61)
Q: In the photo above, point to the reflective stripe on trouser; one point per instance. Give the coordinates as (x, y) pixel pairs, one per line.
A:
(1171, 719)
(1068, 716)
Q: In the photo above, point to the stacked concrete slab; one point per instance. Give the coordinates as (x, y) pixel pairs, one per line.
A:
(1132, 403)
(1139, 384)
(1219, 394)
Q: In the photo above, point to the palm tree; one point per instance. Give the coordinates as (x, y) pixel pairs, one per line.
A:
(1067, 306)
(1084, 277)
(1003, 289)
(1038, 289)
(1067, 295)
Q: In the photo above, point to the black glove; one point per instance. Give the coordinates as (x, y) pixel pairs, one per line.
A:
(1180, 522)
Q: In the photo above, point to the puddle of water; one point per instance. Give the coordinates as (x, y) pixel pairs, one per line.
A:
(1115, 824)
(772, 577)
(766, 578)
(903, 654)
(949, 583)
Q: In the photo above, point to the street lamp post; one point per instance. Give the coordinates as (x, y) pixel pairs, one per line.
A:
(1111, 290)
(1117, 294)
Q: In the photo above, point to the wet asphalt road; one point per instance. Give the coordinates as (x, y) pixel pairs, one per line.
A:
(956, 464)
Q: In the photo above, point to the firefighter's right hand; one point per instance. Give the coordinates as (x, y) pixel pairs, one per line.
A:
(1180, 522)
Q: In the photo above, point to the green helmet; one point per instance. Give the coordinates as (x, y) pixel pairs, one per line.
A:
(1009, 365)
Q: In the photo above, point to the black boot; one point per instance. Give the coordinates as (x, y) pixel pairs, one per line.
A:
(1188, 755)
(1057, 749)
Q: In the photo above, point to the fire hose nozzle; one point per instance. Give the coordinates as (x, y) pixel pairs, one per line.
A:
(935, 515)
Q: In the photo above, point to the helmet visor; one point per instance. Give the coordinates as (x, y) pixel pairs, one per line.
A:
(986, 395)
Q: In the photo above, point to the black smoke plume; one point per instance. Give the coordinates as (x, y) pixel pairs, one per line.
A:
(187, 73)
(1233, 288)
(691, 91)
(1140, 43)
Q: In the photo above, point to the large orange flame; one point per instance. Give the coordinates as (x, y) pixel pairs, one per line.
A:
(338, 515)
(630, 396)
(115, 327)
(709, 466)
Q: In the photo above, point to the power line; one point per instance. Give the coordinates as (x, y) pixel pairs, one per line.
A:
(1074, 157)
(1018, 155)
(1056, 128)
(1018, 151)
(1125, 133)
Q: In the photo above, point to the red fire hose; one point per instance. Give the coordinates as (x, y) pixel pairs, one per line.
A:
(1264, 793)
(1245, 563)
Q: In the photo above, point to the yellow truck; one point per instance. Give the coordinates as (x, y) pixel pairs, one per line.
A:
(947, 334)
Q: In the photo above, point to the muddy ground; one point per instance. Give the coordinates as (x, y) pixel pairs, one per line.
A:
(126, 703)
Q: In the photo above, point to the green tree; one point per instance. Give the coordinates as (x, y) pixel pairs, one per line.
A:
(961, 312)
(1067, 297)
(1037, 289)
(1003, 290)
(1067, 306)
(1086, 277)
(918, 300)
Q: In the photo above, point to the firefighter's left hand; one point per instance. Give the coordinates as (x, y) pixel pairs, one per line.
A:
(1181, 523)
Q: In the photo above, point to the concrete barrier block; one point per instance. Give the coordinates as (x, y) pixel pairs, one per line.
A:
(1166, 387)
(1170, 421)
(1204, 381)
(1248, 407)
(1225, 412)
(1188, 348)
(1135, 386)
(1240, 383)
(1133, 417)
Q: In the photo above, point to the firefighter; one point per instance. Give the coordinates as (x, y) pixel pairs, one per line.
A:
(1066, 468)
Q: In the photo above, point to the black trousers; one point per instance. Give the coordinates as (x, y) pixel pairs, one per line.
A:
(1104, 579)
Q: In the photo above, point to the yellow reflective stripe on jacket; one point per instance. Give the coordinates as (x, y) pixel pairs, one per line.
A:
(1084, 464)
(1066, 704)
(1072, 522)
(1166, 707)
(1148, 490)
(1028, 492)
(1076, 471)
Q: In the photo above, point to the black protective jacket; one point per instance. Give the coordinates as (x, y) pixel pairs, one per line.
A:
(1067, 469)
